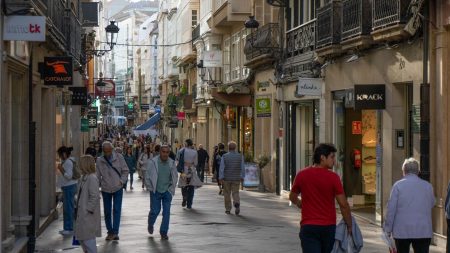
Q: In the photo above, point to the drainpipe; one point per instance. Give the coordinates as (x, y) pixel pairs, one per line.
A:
(425, 102)
(31, 157)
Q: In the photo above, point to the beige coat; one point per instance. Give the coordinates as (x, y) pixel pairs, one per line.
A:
(88, 220)
(109, 179)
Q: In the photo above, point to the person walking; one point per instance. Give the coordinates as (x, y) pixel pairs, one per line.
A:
(447, 215)
(231, 174)
(188, 180)
(319, 187)
(146, 155)
(161, 178)
(203, 160)
(408, 216)
(68, 187)
(130, 159)
(216, 164)
(112, 172)
(88, 220)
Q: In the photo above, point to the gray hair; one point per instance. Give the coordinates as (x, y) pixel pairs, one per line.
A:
(411, 166)
(232, 145)
(107, 143)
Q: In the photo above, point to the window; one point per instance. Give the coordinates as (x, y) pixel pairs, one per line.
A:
(245, 71)
(235, 56)
(194, 18)
(303, 11)
(226, 61)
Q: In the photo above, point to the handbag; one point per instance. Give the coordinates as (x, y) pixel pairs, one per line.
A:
(180, 165)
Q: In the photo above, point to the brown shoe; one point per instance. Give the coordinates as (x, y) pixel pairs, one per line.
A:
(109, 237)
(115, 237)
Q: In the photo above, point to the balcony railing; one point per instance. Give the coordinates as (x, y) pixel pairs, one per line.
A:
(73, 36)
(389, 12)
(195, 33)
(57, 13)
(329, 24)
(301, 39)
(356, 18)
(265, 40)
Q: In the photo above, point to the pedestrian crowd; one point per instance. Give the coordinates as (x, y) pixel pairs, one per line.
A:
(107, 169)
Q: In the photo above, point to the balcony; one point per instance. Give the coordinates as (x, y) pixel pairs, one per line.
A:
(40, 6)
(329, 28)
(262, 45)
(300, 46)
(356, 23)
(73, 36)
(229, 12)
(195, 34)
(389, 19)
(56, 27)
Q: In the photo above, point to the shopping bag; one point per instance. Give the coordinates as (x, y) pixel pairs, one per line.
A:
(75, 242)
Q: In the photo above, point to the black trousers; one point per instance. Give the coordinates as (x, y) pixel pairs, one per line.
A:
(421, 245)
(448, 235)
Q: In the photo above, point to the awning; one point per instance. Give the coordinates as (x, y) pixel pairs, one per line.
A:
(149, 123)
(232, 99)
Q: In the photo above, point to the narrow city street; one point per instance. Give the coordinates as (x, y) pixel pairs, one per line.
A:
(266, 224)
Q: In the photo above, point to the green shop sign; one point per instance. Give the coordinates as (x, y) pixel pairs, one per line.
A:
(263, 107)
(84, 125)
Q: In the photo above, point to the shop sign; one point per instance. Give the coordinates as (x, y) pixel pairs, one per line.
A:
(92, 120)
(309, 87)
(145, 107)
(356, 127)
(370, 97)
(84, 125)
(181, 115)
(24, 28)
(79, 95)
(58, 71)
(251, 178)
(172, 124)
(263, 107)
(212, 59)
(106, 89)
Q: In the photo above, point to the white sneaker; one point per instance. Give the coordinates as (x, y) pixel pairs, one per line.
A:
(66, 232)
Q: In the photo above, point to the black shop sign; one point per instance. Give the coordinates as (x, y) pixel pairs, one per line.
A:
(57, 71)
(370, 97)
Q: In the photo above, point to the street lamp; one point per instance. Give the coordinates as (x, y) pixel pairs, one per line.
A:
(111, 39)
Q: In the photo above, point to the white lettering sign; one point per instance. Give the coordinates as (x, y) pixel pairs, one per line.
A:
(212, 59)
(371, 97)
(309, 87)
(24, 28)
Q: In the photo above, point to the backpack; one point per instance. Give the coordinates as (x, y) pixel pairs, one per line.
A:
(76, 173)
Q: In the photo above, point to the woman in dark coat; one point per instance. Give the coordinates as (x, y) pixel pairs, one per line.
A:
(130, 159)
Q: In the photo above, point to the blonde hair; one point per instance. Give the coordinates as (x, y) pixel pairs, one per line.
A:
(87, 164)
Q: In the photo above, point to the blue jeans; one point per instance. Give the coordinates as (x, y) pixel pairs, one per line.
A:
(114, 201)
(69, 206)
(317, 239)
(156, 199)
(188, 194)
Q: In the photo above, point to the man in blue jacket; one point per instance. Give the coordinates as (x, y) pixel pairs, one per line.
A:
(161, 178)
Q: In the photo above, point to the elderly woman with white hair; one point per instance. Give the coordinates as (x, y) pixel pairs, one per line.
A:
(408, 217)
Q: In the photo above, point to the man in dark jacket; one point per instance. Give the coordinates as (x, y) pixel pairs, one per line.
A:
(203, 160)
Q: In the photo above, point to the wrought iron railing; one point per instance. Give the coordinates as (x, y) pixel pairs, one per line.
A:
(57, 14)
(329, 24)
(195, 33)
(73, 35)
(265, 40)
(301, 39)
(356, 18)
(389, 12)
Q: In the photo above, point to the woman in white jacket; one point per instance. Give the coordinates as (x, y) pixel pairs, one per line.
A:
(143, 160)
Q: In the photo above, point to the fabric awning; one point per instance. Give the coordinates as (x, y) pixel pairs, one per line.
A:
(149, 123)
(232, 99)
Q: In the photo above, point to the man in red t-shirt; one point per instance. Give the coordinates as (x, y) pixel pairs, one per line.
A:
(319, 187)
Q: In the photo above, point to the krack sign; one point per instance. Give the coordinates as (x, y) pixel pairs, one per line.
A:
(58, 71)
(370, 97)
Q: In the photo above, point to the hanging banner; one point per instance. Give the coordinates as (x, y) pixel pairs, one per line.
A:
(57, 71)
(84, 125)
(370, 97)
(105, 88)
(263, 107)
(92, 120)
(181, 115)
